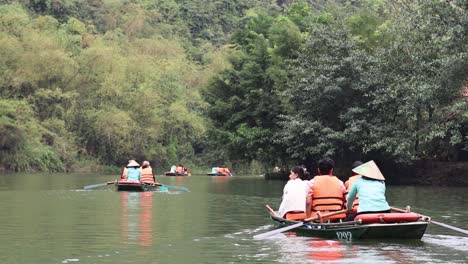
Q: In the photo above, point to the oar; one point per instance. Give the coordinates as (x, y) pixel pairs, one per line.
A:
(180, 188)
(271, 210)
(432, 221)
(305, 221)
(87, 187)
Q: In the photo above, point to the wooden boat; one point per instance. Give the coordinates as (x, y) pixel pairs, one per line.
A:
(170, 173)
(132, 186)
(216, 174)
(366, 226)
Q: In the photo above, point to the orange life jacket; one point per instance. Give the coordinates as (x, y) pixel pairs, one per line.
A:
(222, 170)
(328, 196)
(147, 175)
(348, 184)
(124, 173)
(179, 170)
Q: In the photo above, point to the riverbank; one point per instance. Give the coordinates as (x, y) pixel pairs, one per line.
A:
(422, 172)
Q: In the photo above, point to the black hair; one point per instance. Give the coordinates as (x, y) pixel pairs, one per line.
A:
(299, 171)
(357, 163)
(325, 165)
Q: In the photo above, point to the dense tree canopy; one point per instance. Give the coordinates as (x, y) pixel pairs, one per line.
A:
(204, 82)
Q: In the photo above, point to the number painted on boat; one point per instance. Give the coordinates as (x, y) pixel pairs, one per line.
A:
(344, 235)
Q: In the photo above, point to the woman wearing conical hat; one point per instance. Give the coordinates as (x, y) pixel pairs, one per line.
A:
(370, 188)
(133, 171)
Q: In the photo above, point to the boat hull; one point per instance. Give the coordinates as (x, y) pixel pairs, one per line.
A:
(135, 187)
(216, 174)
(356, 231)
(174, 174)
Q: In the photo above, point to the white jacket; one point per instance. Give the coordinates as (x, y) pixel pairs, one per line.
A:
(294, 197)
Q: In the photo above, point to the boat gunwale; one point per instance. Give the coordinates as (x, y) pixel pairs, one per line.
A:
(341, 225)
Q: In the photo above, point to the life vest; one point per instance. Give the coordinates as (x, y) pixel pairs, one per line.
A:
(179, 170)
(348, 184)
(124, 173)
(147, 175)
(299, 215)
(221, 170)
(328, 196)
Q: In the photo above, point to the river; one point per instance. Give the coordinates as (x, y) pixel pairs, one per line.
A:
(49, 218)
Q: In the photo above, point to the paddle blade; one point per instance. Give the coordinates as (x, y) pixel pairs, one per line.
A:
(180, 188)
(88, 187)
(163, 188)
(94, 186)
(450, 227)
(277, 231)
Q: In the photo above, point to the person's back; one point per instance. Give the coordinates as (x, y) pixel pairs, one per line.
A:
(293, 203)
(133, 171)
(173, 168)
(221, 170)
(180, 169)
(370, 188)
(371, 195)
(147, 175)
(326, 192)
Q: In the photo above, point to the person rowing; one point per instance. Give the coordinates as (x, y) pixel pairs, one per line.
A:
(371, 190)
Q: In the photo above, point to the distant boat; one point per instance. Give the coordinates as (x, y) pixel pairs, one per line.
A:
(216, 174)
(170, 173)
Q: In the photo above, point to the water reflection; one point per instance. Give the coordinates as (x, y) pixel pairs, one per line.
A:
(137, 218)
(220, 183)
(316, 250)
(326, 250)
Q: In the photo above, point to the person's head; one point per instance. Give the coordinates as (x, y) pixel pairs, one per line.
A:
(296, 172)
(132, 164)
(145, 164)
(370, 171)
(357, 163)
(325, 166)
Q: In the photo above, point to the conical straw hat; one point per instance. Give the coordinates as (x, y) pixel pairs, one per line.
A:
(370, 170)
(133, 163)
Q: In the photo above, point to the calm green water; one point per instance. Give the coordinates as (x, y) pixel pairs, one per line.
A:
(50, 219)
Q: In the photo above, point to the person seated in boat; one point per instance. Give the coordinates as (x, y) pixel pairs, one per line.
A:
(173, 168)
(325, 192)
(371, 190)
(133, 171)
(123, 176)
(354, 176)
(147, 175)
(224, 170)
(293, 204)
(180, 169)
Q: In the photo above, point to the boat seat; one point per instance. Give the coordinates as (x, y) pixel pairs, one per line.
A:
(387, 218)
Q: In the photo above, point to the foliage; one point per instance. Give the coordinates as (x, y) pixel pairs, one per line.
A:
(243, 82)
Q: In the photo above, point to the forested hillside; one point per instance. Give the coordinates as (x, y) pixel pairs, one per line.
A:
(204, 82)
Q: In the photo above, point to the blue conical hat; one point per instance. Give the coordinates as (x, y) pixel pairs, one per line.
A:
(370, 170)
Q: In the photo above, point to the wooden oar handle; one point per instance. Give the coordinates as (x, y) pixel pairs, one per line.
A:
(319, 216)
(271, 210)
